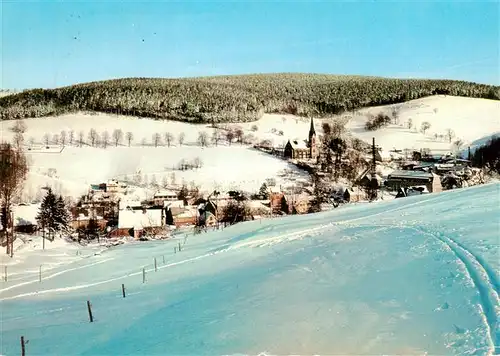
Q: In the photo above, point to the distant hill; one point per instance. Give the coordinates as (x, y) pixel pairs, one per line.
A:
(232, 98)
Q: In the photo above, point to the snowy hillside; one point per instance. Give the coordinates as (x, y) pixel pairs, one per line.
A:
(71, 169)
(470, 119)
(412, 276)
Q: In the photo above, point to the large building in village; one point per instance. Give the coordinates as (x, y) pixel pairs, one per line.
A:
(307, 149)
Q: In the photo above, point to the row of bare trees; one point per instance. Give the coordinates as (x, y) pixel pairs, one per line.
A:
(104, 139)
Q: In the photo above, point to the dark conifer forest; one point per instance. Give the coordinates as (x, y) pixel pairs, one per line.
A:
(232, 98)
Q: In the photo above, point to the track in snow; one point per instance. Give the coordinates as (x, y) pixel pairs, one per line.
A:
(484, 281)
(485, 286)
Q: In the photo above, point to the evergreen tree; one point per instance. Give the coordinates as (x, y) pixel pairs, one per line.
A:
(263, 191)
(53, 214)
(61, 215)
(183, 194)
(45, 215)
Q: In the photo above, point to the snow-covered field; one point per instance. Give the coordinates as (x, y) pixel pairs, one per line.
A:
(225, 167)
(470, 119)
(418, 275)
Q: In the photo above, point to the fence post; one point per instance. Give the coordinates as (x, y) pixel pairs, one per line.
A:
(179, 246)
(5, 272)
(156, 268)
(89, 307)
(143, 275)
(40, 274)
(23, 346)
(175, 249)
(163, 259)
(123, 290)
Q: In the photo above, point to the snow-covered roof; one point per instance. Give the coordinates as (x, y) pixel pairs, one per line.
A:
(410, 174)
(256, 204)
(298, 144)
(124, 204)
(186, 214)
(25, 214)
(174, 203)
(165, 193)
(274, 190)
(139, 219)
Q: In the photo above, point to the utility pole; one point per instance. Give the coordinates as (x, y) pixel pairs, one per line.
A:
(12, 235)
(374, 182)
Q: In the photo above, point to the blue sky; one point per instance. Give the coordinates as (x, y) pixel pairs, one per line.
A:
(49, 43)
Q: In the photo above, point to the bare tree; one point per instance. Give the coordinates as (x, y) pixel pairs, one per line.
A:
(71, 137)
(409, 123)
(426, 125)
(197, 162)
(80, 138)
(18, 140)
(239, 134)
(164, 182)
(395, 114)
(63, 137)
(19, 127)
(143, 142)
(337, 128)
(450, 134)
(230, 136)
(203, 138)
(31, 141)
(168, 138)
(93, 137)
(105, 139)
(129, 137)
(181, 138)
(55, 139)
(154, 182)
(156, 139)
(117, 137)
(13, 172)
(216, 137)
(46, 139)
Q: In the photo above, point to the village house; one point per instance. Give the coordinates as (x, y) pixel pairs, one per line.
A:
(97, 205)
(163, 196)
(177, 214)
(296, 149)
(407, 179)
(188, 217)
(296, 203)
(133, 216)
(258, 208)
(115, 187)
(111, 187)
(83, 221)
(207, 219)
(25, 218)
(275, 199)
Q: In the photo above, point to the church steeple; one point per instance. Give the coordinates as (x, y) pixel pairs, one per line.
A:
(311, 129)
(313, 150)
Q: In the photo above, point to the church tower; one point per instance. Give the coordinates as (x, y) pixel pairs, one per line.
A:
(313, 149)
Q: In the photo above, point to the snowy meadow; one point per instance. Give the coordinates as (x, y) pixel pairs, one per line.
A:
(418, 275)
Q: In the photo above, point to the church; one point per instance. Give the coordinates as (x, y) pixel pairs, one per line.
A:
(307, 149)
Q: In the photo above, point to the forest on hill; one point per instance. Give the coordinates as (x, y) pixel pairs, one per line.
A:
(236, 98)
